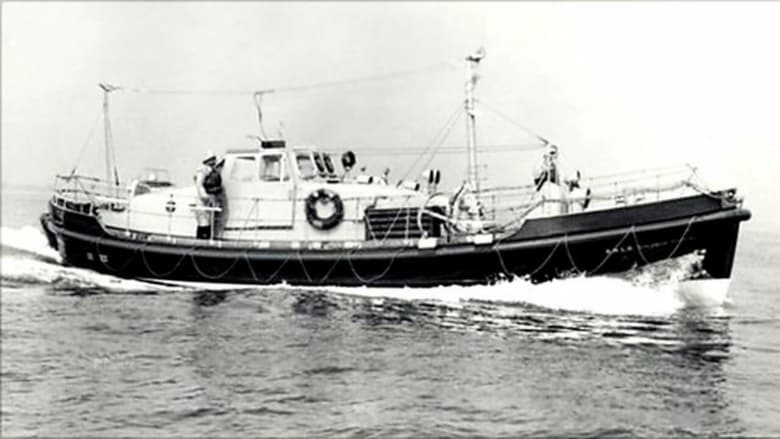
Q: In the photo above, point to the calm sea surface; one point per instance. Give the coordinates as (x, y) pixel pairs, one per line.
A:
(90, 355)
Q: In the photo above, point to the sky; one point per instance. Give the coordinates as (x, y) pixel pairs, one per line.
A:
(616, 85)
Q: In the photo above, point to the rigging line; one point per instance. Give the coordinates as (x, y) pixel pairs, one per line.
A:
(445, 128)
(513, 122)
(86, 142)
(284, 89)
(158, 91)
(436, 149)
(411, 72)
(441, 136)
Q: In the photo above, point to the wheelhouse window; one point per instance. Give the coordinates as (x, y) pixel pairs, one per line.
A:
(244, 168)
(272, 168)
(306, 166)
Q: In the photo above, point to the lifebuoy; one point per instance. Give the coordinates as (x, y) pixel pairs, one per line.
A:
(324, 196)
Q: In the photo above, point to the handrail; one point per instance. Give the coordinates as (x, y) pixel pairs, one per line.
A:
(503, 207)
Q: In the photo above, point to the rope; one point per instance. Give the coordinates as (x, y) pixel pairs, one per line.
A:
(568, 254)
(630, 232)
(438, 140)
(638, 247)
(255, 203)
(158, 275)
(611, 252)
(315, 85)
(676, 247)
(501, 262)
(515, 123)
(249, 264)
(105, 264)
(392, 223)
(552, 252)
(378, 276)
(273, 275)
(209, 276)
(86, 142)
(685, 232)
(332, 267)
(546, 260)
(448, 129)
(300, 260)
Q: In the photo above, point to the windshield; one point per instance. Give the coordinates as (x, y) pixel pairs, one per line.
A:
(306, 166)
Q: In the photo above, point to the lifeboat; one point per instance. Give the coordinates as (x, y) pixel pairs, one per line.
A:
(292, 215)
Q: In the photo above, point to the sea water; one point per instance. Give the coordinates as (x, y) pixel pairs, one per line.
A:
(86, 354)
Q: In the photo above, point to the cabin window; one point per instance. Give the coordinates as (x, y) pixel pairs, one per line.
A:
(244, 168)
(306, 166)
(272, 168)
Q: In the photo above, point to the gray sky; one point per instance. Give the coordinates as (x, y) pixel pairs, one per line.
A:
(618, 86)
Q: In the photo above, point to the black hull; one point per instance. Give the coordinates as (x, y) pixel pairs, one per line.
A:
(590, 243)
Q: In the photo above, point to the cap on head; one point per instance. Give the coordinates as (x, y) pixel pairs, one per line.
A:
(210, 157)
(552, 150)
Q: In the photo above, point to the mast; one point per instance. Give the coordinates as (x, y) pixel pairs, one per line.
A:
(472, 63)
(108, 88)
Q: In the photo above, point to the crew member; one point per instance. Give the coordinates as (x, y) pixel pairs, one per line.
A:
(207, 179)
(213, 185)
(547, 169)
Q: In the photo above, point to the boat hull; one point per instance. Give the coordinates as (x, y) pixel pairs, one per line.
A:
(590, 243)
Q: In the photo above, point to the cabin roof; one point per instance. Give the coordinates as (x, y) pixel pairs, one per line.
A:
(254, 150)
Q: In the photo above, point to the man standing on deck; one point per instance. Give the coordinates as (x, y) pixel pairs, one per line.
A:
(205, 183)
(547, 169)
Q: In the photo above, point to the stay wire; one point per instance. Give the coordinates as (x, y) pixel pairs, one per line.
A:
(437, 140)
(86, 142)
(284, 89)
(506, 118)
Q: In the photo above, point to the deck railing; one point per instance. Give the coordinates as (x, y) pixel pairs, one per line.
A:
(502, 208)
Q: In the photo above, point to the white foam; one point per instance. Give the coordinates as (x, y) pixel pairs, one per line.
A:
(25, 269)
(601, 295)
(706, 293)
(28, 239)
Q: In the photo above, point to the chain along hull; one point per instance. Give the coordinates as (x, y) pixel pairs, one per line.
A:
(592, 243)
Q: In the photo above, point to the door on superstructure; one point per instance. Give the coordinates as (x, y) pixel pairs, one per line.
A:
(260, 191)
